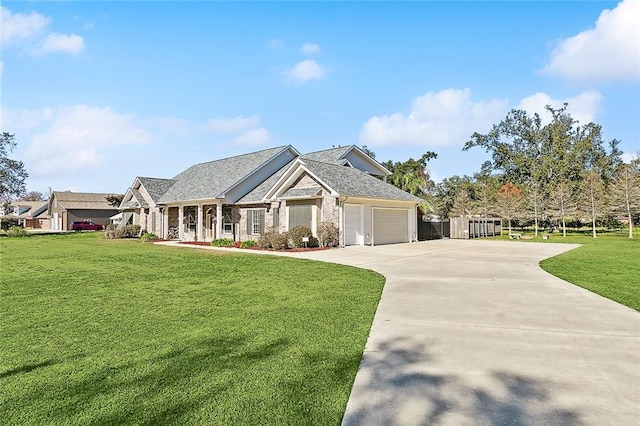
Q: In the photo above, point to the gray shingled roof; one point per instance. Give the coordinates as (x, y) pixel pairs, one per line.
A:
(332, 156)
(261, 190)
(156, 187)
(351, 182)
(139, 198)
(83, 200)
(301, 192)
(212, 179)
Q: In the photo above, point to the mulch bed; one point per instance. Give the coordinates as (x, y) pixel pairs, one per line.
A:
(237, 245)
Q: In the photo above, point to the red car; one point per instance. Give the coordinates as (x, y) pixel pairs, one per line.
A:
(86, 225)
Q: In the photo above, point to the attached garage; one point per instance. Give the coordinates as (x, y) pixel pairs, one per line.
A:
(390, 226)
(353, 225)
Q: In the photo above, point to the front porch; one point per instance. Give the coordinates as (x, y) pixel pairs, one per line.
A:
(201, 222)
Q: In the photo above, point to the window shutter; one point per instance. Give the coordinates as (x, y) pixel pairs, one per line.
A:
(261, 221)
(249, 215)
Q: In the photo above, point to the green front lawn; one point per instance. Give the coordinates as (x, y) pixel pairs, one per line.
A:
(106, 331)
(608, 265)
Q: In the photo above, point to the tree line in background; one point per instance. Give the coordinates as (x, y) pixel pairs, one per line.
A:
(541, 174)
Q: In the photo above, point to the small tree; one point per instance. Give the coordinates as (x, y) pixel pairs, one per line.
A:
(562, 204)
(114, 199)
(625, 191)
(33, 196)
(12, 172)
(462, 203)
(593, 200)
(509, 202)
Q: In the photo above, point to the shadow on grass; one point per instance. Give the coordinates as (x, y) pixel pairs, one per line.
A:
(161, 389)
(393, 388)
(36, 365)
(27, 368)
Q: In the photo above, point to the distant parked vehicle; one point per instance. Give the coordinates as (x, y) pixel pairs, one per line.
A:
(86, 225)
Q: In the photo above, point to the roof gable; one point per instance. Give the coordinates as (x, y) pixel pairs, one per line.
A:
(348, 155)
(155, 187)
(340, 180)
(215, 178)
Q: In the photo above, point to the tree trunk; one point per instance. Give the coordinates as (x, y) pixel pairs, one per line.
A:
(535, 219)
(630, 219)
(593, 214)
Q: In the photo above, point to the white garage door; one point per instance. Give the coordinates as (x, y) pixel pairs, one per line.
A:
(390, 226)
(353, 234)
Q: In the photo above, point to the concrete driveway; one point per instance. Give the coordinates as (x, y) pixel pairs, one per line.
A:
(474, 332)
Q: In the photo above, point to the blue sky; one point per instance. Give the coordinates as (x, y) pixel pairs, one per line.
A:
(100, 92)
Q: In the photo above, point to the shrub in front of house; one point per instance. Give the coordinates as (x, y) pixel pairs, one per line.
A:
(222, 242)
(131, 231)
(328, 234)
(297, 234)
(271, 239)
(248, 244)
(17, 231)
(148, 236)
(112, 232)
(128, 231)
(8, 222)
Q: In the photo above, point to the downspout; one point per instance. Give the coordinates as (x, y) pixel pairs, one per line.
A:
(343, 220)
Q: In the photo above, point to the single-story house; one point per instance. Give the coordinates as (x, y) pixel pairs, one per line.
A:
(29, 214)
(242, 196)
(66, 207)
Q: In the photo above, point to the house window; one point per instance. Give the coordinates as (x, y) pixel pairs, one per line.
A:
(190, 217)
(300, 215)
(227, 220)
(276, 217)
(255, 221)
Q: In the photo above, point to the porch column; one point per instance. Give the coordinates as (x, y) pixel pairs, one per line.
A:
(180, 222)
(219, 220)
(165, 222)
(199, 222)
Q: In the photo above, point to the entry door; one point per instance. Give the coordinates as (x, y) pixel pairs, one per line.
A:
(353, 232)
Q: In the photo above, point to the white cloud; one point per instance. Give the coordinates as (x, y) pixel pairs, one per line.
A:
(23, 120)
(609, 51)
(244, 131)
(251, 138)
(30, 29)
(310, 49)
(79, 139)
(55, 42)
(233, 125)
(448, 117)
(628, 157)
(582, 107)
(20, 27)
(305, 71)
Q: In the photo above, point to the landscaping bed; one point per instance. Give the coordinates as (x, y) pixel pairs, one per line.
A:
(238, 246)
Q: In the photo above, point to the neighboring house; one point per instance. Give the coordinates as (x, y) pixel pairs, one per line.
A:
(240, 197)
(67, 207)
(29, 214)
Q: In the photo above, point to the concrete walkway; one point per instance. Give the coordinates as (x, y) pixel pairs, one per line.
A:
(474, 332)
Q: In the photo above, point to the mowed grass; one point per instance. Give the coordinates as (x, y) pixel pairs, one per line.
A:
(97, 331)
(608, 265)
